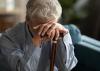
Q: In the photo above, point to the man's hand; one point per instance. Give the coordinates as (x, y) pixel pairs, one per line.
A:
(51, 29)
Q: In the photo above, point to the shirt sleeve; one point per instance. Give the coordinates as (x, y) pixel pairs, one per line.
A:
(71, 60)
(10, 52)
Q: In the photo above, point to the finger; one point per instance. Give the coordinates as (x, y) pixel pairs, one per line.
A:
(45, 29)
(51, 29)
(49, 35)
(52, 35)
(41, 29)
(64, 31)
(36, 27)
(57, 34)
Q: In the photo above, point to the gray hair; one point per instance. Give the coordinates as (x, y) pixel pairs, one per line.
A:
(43, 9)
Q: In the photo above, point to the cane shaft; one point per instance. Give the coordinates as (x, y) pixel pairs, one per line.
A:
(53, 56)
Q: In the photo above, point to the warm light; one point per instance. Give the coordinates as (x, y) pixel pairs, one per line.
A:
(10, 5)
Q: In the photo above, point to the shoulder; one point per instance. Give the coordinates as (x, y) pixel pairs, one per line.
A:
(14, 31)
(12, 36)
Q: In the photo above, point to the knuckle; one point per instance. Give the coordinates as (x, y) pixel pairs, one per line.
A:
(54, 23)
(47, 26)
(44, 25)
(67, 30)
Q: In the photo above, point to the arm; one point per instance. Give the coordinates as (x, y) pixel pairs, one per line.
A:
(65, 50)
(71, 60)
(65, 58)
(10, 52)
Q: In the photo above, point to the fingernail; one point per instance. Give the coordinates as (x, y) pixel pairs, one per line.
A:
(56, 38)
(49, 36)
(52, 38)
(42, 34)
(39, 33)
(47, 33)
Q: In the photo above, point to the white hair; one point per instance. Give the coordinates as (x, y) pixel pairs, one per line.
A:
(43, 9)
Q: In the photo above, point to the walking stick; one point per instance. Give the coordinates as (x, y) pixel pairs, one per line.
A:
(53, 55)
(62, 67)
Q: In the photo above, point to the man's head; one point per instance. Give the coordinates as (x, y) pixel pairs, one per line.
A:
(43, 10)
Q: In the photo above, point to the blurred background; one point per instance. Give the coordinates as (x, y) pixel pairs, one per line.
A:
(11, 12)
(83, 13)
(81, 17)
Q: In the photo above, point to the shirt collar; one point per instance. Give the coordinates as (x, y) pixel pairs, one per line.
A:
(27, 29)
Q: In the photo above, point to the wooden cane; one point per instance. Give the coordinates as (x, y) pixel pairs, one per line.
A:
(53, 55)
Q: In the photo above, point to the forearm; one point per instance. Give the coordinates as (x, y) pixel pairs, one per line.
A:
(65, 53)
(71, 60)
(11, 56)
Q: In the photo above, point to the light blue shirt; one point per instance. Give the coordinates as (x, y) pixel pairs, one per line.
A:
(17, 47)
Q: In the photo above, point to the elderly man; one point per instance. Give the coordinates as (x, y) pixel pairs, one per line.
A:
(26, 47)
